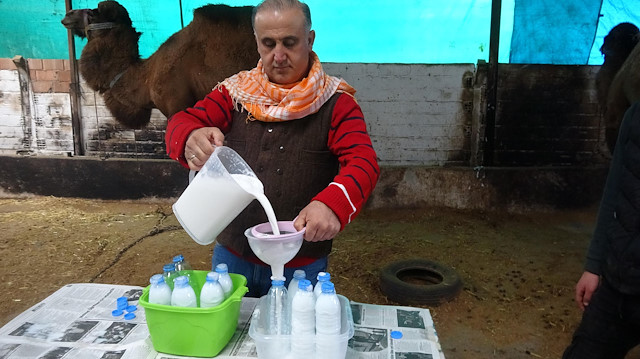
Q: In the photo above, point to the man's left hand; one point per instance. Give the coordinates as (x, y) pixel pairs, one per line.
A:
(322, 224)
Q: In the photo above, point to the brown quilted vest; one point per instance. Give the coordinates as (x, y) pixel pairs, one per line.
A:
(292, 160)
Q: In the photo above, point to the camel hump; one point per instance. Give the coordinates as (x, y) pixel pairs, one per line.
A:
(217, 13)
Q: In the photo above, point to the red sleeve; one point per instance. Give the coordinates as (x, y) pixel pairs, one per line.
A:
(213, 111)
(359, 170)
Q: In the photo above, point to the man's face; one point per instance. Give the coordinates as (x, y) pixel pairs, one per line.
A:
(284, 44)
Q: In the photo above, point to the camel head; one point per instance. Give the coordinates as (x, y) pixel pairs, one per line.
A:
(620, 41)
(107, 14)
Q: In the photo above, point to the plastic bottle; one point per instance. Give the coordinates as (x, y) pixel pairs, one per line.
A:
(278, 322)
(183, 295)
(322, 278)
(293, 285)
(181, 265)
(224, 279)
(212, 293)
(328, 323)
(303, 321)
(169, 273)
(159, 291)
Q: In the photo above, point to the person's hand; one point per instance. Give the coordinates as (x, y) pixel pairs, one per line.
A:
(200, 145)
(322, 224)
(587, 284)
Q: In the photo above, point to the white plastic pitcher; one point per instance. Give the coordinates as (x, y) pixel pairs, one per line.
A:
(217, 194)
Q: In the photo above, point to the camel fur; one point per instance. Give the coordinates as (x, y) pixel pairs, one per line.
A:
(218, 43)
(618, 80)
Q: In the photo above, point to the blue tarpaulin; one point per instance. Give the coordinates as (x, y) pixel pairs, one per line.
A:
(376, 31)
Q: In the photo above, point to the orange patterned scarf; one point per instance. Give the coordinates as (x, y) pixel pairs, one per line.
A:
(269, 102)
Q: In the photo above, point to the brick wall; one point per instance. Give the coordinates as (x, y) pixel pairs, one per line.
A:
(35, 117)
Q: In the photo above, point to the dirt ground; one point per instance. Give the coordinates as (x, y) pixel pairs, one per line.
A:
(518, 270)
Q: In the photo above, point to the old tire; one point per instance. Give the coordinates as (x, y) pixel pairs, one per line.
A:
(419, 281)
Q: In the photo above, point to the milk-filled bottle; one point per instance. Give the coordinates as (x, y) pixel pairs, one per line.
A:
(303, 321)
(224, 279)
(159, 291)
(183, 295)
(322, 278)
(293, 285)
(328, 323)
(212, 293)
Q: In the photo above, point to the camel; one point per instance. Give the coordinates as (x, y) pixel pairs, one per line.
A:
(218, 43)
(618, 80)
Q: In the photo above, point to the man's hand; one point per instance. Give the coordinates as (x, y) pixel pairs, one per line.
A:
(200, 145)
(587, 284)
(322, 224)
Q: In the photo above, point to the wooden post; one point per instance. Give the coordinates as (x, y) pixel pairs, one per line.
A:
(492, 83)
(74, 92)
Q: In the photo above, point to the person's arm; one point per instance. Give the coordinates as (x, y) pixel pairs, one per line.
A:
(212, 115)
(597, 252)
(340, 202)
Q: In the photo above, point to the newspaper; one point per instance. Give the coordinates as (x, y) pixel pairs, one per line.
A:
(77, 322)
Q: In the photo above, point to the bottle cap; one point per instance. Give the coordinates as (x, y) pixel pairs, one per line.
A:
(129, 316)
(156, 279)
(122, 303)
(178, 258)
(277, 281)
(324, 276)
(299, 274)
(132, 308)
(170, 267)
(305, 285)
(328, 287)
(222, 268)
(212, 277)
(117, 312)
(181, 281)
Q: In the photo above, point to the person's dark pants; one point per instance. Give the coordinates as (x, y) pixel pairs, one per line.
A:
(259, 276)
(610, 326)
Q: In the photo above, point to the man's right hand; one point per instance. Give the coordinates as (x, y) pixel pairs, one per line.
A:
(587, 284)
(200, 145)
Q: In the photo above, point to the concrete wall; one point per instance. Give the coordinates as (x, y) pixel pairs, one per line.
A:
(427, 122)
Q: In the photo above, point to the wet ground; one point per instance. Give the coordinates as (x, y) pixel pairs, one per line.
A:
(518, 270)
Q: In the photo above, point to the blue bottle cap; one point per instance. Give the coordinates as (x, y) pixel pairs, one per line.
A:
(322, 276)
(168, 267)
(222, 268)
(328, 287)
(396, 334)
(122, 303)
(181, 281)
(129, 316)
(117, 312)
(212, 277)
(277, 281)
(178, 258)
(156, 279)
(132, 308)
(304, 284)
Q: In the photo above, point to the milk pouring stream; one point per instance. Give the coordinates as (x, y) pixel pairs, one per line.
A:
(222, 189)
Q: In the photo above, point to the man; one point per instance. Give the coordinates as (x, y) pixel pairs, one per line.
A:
(299, 129)
(609, 290)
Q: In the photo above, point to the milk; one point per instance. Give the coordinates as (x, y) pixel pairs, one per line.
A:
(254, 187)
(211, 202)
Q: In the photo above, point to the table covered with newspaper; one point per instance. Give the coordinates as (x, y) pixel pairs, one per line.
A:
(77, 322)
